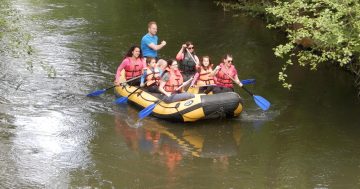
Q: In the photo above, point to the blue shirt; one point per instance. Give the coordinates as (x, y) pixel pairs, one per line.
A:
(145, 42)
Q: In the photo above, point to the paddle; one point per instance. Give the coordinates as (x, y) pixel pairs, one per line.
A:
(260, 101)
(192, 56)
(248, 81)
(185, 84)
(124, 99)
(147, 111)
(99, 92)
(244, 82)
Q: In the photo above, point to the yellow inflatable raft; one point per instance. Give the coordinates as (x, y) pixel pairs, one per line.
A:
(200, 107)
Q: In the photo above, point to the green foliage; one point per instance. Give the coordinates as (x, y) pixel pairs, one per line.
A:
(253, 8)
(13, 40)
(50, 70)
(328, 31)
(3, 6)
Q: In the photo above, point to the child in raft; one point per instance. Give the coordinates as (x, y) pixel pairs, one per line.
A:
(203, 78)
(171, 84)
(152, 76)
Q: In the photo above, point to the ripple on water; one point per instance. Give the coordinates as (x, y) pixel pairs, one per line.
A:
(68, 23)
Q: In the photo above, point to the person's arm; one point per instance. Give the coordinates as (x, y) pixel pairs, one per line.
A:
(143, 73)
(180, 54)
(118, 71)
(162, 90)
(143, 63)
(157, 47)
(163, 81)
(142, 80)
(236, 79)
(215, 71)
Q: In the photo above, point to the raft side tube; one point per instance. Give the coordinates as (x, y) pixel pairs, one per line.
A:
(221, 104)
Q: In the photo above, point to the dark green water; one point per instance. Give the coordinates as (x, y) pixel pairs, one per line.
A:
(52, 136)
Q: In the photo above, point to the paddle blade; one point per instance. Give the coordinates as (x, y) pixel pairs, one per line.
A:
(262, 102)
(247, 81)
(147, 111)
(96, 93)
(121, 100)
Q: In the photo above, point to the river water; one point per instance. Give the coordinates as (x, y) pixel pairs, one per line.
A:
(53, 136)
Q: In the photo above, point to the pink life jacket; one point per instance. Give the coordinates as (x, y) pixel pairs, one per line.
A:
(133, 69)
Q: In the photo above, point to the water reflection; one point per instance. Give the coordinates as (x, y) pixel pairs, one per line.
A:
(172, 143)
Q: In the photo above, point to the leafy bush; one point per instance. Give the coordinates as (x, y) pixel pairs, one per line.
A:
(250, 7)
(327, 30)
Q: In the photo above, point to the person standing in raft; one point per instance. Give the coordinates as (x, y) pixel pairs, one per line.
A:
(133, 64)
(188, 60)
(225, 73)
(149, 42)
(171, 84)
(203, 76)
(152, 76)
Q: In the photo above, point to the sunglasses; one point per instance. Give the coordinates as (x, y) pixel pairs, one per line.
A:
(229, 61)
(190, 48)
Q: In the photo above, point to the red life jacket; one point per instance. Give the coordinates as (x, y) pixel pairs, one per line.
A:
(175, 80)
(133, 69)
(152, 77)
(204, 77)
(222, 79)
